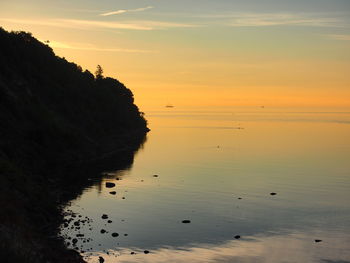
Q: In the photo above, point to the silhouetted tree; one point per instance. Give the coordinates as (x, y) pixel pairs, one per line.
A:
(51, 105)
(99, 72)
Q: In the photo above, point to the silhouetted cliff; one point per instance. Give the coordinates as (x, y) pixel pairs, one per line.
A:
(52, 115)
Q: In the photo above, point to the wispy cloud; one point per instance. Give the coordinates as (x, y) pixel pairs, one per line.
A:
(94, 24)
(238, 19)
(339, 37)
(103, 24)
(203, 20)
(89, 47)
(122, 11)
(273, 19)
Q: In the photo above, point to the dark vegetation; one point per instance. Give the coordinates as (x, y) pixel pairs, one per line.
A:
(58, 126)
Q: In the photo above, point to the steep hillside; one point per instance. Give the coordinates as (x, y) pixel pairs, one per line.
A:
(52, 116)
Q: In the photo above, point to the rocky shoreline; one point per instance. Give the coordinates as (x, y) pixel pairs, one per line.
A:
(30, 224)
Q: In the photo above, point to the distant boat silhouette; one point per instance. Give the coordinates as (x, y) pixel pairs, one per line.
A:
(169, 106)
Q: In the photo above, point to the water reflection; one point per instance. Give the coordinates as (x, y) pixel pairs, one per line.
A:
(93, 172)
(275, 248)
(220, 178)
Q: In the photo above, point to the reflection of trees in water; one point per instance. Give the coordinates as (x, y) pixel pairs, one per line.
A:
(92, 173)
(115, 175)
(99, 187)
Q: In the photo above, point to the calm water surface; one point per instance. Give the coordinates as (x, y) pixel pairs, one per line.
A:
(217, 169)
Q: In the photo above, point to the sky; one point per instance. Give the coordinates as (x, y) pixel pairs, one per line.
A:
(202, 53)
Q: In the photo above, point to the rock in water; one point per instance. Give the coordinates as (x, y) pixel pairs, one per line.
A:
(237, 237)
(186, 221)
(110, 185)
(115, 234)
(101, 259)
(104, 216)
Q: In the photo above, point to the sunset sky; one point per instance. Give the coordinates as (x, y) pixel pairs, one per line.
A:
(202, 53)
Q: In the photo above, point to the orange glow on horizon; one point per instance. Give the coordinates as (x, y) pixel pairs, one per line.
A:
(203, 63)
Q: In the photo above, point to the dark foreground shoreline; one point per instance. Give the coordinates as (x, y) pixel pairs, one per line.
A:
(29, 231)
(59, 126)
